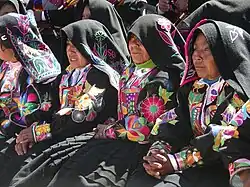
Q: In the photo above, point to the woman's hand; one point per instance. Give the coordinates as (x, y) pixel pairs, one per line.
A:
(24, 141)
(158, 163)
(100, 131)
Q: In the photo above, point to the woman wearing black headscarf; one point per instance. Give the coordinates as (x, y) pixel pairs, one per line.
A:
(85, 94)
(236, 12)
(210, 96)
(147, 89)
(100, 10)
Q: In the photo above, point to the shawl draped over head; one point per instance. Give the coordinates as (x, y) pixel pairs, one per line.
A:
(161, 40)
(236, 12)
(105, 12)
(94, 42)
(20, 33)
(231, 51)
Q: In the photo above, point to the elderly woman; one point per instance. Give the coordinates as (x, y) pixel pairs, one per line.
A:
(85, 94)
(193, 135)
(146, 90)
(27, 71)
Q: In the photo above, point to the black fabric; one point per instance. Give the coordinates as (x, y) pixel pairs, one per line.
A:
(152, 31)
(101, 11)
(215, 176)
(230, 48)
(19, 6)
(105, 12)
(97, 38)
(236, 12)
(194, 4)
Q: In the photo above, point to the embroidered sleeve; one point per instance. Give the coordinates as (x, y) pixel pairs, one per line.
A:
(41, 132)
(238, 167)
(187, 158)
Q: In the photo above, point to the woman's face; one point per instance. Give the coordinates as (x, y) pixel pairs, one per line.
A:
(203, 59)
(7, 8)
(86, 13)
(7, 55)
(75, 58)
(137, 51)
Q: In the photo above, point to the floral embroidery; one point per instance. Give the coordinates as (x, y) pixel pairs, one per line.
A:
(223, 133)
(165, 95)
(41, 132)
(136, 129)
(168, 117)
(188, 158)
(151, 108)
(241, 115)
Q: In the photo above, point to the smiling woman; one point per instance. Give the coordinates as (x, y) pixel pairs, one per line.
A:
(137, 51)
(75, 58)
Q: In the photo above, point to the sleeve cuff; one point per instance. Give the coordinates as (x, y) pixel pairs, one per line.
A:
(188, 158)
(238, 166)
(173, 162)
(41, 132)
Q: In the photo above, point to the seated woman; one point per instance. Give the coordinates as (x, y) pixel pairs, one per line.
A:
(147, 89)
(99, 10)
(214, 88)
(27, 69)
(85, 94)
(26, 72)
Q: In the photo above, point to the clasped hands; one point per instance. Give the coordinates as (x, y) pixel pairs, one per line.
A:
(157, 163)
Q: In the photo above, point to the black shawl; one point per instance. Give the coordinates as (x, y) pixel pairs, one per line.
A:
(157, 34)
(88, 36)
(105, 12)
(230, 48)
(236, 12)
(101, 11)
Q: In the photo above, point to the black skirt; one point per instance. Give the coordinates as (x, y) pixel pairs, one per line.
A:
(209, 176)
(82, 163)
(106, 163)
(43, 161)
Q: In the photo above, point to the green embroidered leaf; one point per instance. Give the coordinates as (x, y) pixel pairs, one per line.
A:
(173, 122)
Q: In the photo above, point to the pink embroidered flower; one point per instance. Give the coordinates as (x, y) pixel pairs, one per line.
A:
(152, 108)
(165, 24)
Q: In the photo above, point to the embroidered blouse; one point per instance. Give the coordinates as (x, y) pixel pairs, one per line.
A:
(208, 104)
(142, 99)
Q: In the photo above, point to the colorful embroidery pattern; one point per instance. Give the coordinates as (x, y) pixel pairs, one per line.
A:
(188, 158)
(136, 129)
(152, 107)
(238, 166)
(41, 132)
(35, 56)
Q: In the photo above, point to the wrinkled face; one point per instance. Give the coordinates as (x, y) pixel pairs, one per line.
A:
(75, 58)
(203, 59)
(86, 13)
(137, 51)
(7, 8)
